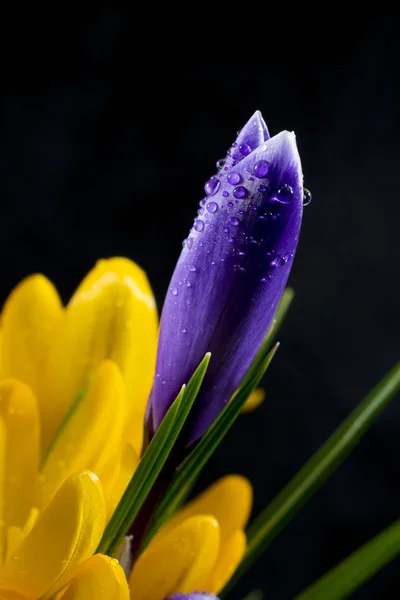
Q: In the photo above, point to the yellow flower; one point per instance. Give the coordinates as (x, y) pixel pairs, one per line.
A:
(200, 547)
(74, 387)
(73, 393)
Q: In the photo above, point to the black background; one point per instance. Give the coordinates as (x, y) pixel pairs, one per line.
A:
(104, 150)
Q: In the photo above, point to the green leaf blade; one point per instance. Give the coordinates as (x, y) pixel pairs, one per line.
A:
(194, 463)
(317, 470)
(152, 462)
(356, 569)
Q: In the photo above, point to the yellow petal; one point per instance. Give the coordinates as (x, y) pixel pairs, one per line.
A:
(111, 315)
(230, 556)
(254, 400)
(92, 437)
(3, 528)
(99, 578)
(229, 500)
(30, 317)
(20, 443)
(181, 561)
(65, 535)
(123, 475)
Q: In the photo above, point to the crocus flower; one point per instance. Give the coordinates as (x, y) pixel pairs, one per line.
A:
(231, 273)
(200, 547)
(194, 596)
(63, 470)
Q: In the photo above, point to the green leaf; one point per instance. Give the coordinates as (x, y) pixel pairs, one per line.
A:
(280, 314)
(152, 462)
(357, 568)
(281, 311)
(313, 474)
(194, 463)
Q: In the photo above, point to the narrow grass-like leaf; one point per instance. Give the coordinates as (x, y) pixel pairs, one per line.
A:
(357, 568)
(281, 311)
(280, 314)
(152, 462)
(194, 463)
(313, 474)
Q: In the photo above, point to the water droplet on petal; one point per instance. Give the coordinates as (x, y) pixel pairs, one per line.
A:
(220, 163)
(212, 207)
(189, 243)
(287, 256)
(239, 192)
(184, 330)
(244, 149)
(234, 221)
(262, 188)
(306, 197)
(261, 168)
(199, 225)
(211, 186)
(234, 178)
(192, 268)
(253, 207)
(285, 193)
(225, 194)
(225, 229)
(278, 261)
(174, 291)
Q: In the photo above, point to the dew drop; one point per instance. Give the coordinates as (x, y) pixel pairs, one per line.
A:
(202, 202)
(306, 197)
(262, 188)
(287, 256)
(234, 178)
(285, 193)
(199, 225)
(184, 330)
(225, 229)
(239, 192)
(212, 207)
(189, 243)
(244, 149)
(211, 186)
(261, 169)
(278, 261)
(253, 207)
(220, 163)
(188, 284)
(225, 194)
(234, 221)
(230, 204)
(192, 268)
(174, 291)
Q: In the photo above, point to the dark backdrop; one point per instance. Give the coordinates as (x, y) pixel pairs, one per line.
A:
(105, 151)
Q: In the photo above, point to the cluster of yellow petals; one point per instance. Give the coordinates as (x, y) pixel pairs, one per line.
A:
(73, 391)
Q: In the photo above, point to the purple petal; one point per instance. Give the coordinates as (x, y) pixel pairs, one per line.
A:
(193, 596)
(229, 278)
(254, 133)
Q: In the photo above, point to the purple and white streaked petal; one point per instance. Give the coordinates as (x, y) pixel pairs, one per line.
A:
(231, 273)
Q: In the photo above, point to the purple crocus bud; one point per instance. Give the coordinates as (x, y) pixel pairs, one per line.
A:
(231, 273)
(193, 596)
